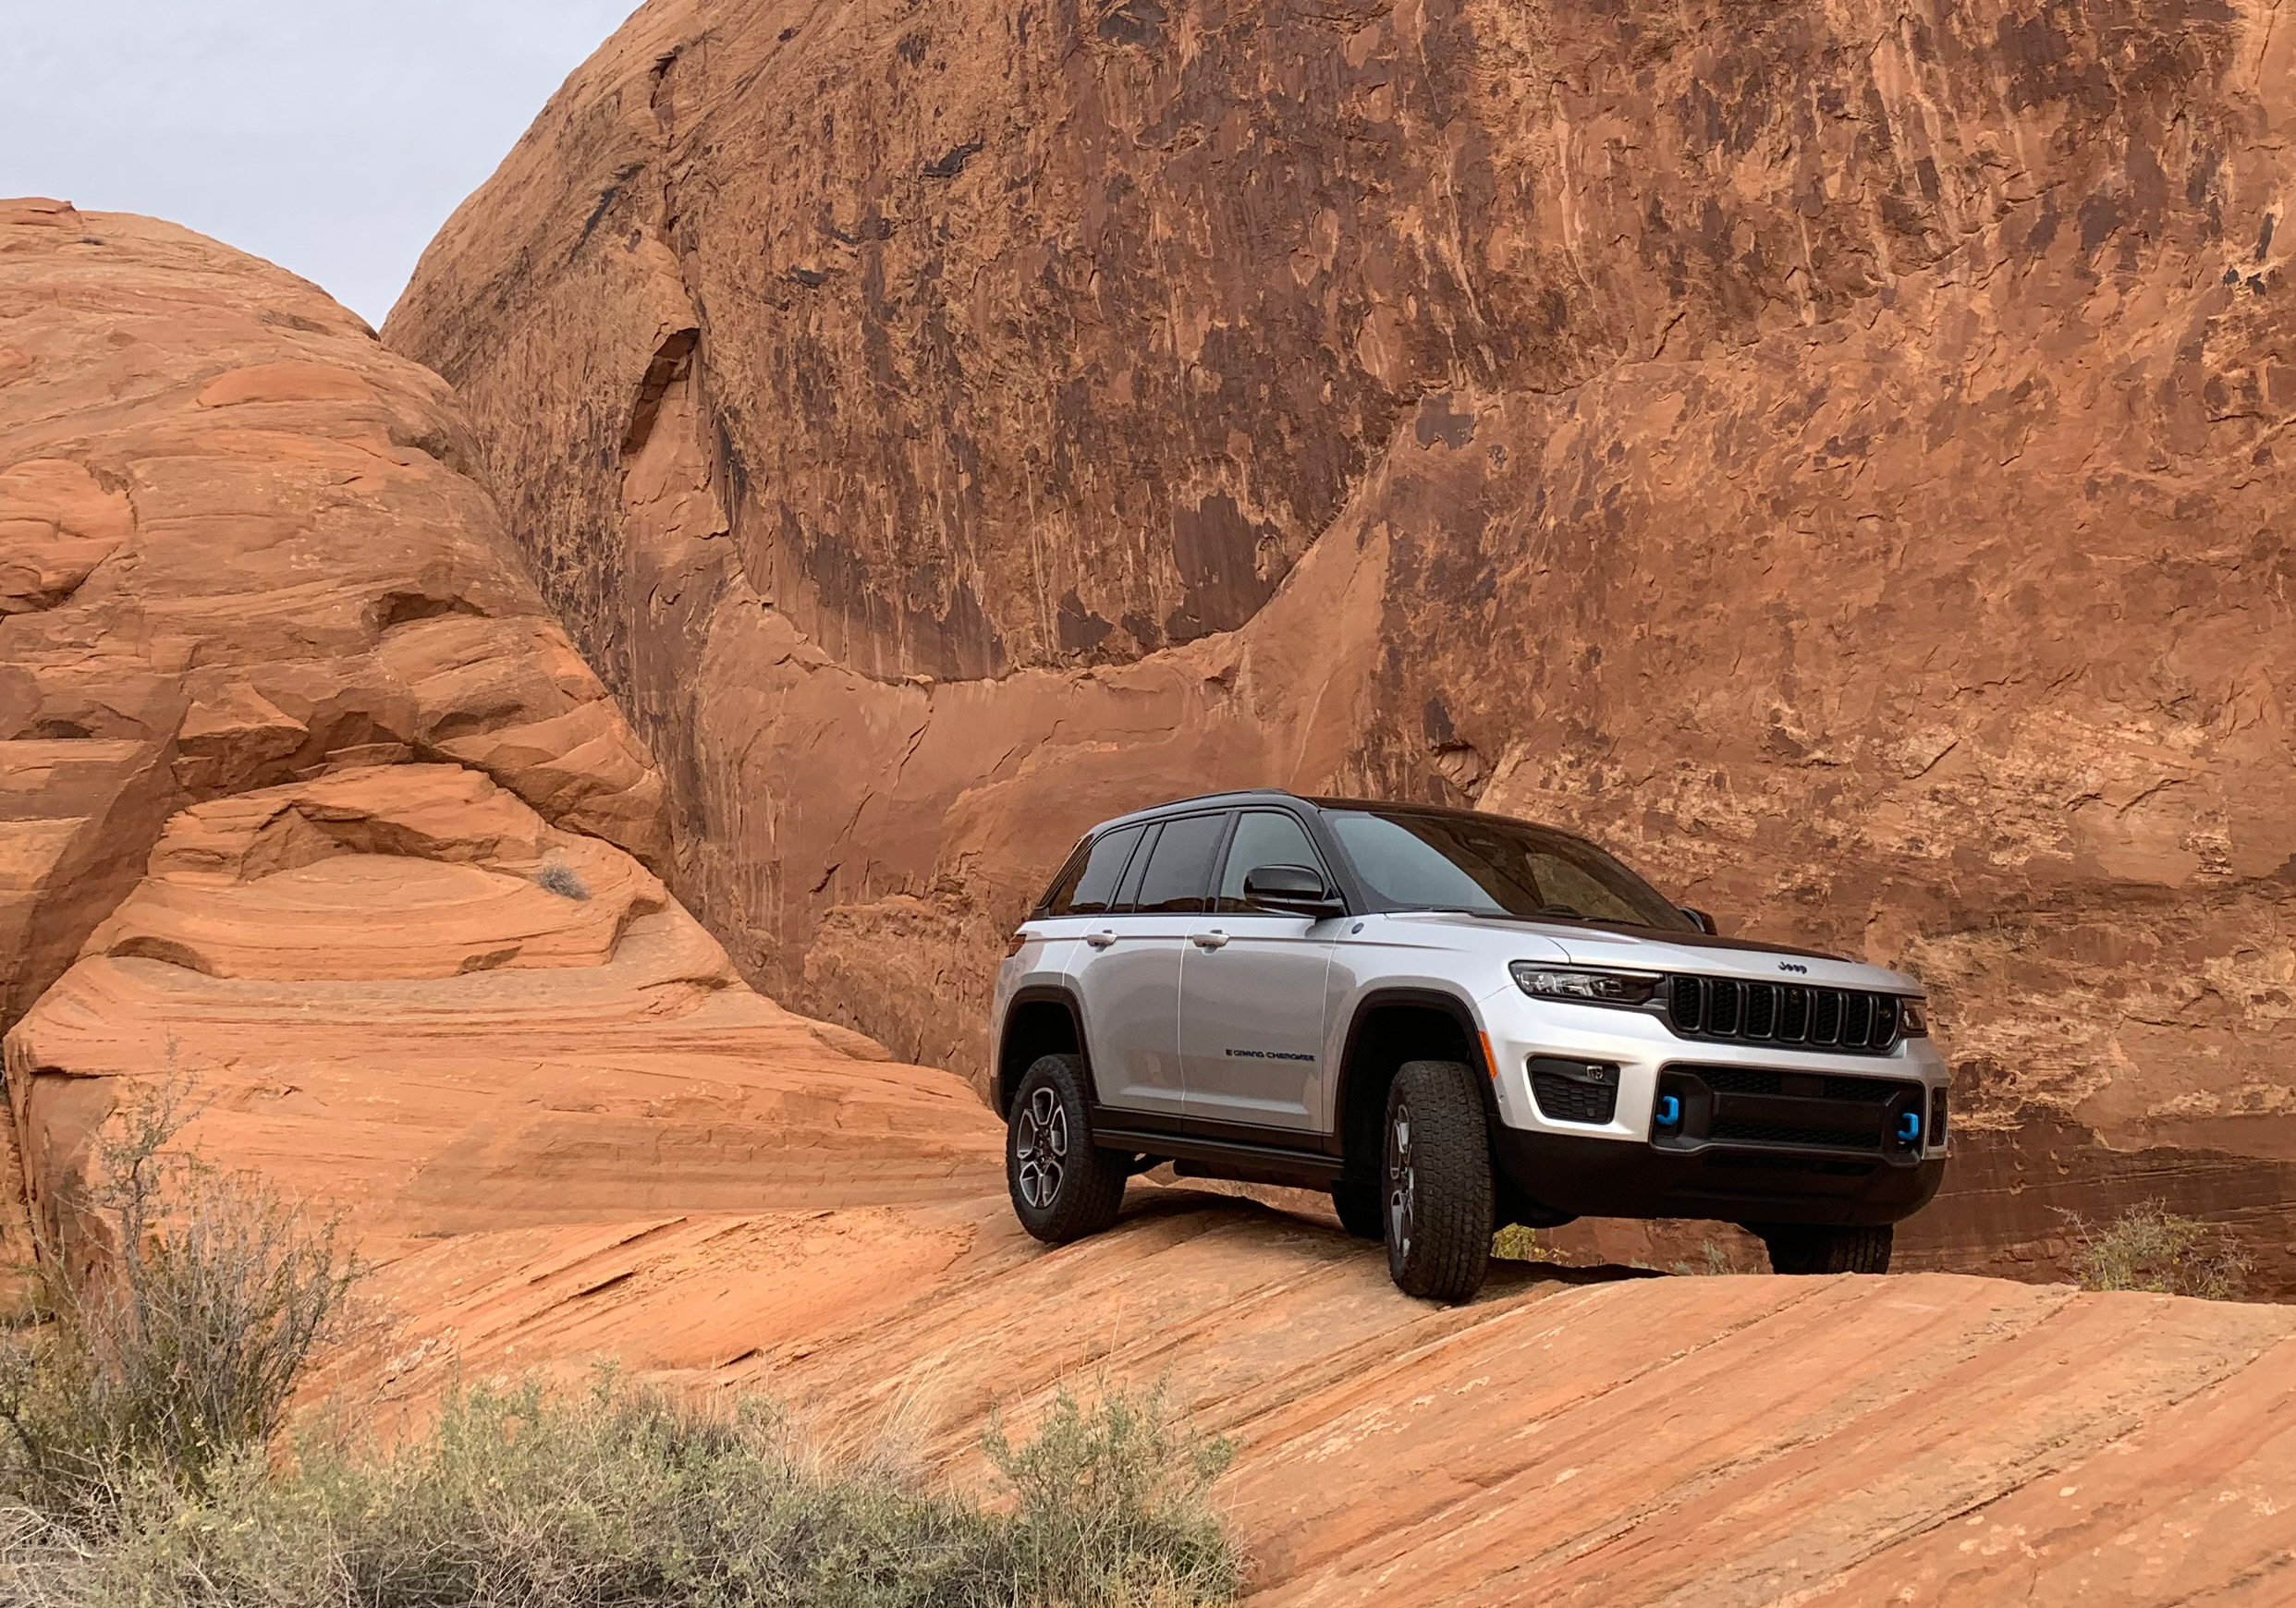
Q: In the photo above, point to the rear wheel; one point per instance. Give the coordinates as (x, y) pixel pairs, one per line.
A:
(1063, 1187)
(1363, 1209)
(1436, 1161)
(1799, 1249)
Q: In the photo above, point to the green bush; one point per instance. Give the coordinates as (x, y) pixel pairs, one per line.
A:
(2150, 1248)
(627, 1498)
(173, 1339)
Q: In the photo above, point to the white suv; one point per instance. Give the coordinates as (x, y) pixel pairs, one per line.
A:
(1450, 1021)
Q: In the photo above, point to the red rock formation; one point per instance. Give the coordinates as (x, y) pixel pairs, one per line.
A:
(238, 547)
(1571, 1437)
(1837, 455)
(239, 554)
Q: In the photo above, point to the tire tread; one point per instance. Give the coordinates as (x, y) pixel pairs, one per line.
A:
(1451, 1249)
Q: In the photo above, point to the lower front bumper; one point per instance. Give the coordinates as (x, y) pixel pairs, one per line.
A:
(1606, 1177)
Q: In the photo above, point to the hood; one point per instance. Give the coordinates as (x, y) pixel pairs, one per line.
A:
(1644, 949)
(1712, 956)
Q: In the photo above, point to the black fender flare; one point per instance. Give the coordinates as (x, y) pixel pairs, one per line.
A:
(1040, 993)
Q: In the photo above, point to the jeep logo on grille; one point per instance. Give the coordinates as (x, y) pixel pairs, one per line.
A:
(1793, 966)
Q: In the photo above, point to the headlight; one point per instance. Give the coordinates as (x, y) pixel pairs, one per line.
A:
(1619, 988)
(1912, 1018)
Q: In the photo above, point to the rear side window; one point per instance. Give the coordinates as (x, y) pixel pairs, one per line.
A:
(1088, 881)
(1262, 838)
(1064, 881)
(1180, 868)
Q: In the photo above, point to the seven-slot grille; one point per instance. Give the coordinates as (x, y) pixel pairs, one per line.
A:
(1847, 1021)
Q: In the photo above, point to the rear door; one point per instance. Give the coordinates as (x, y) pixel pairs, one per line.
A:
(1127, 973)
(1251, 991)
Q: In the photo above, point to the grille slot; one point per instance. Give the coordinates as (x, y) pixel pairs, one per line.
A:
(1848, 1021)
(1781, 1133)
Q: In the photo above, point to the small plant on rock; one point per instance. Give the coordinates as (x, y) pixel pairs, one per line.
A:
(561, 878)
(2147, 1247)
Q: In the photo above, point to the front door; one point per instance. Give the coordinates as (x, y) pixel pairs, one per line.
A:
(1127, 971)
(1252, 992)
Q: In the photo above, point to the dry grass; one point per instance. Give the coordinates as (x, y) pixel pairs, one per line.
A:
(2150, 1248)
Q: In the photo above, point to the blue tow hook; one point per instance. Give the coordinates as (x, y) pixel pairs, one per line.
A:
(1669, 1111)
(1910, 1127)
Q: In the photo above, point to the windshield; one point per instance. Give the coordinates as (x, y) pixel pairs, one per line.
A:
(1490, 867)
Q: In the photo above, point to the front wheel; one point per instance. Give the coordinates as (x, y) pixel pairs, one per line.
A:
(1799, 1248)
(1437, 1170)
(1063, 1187)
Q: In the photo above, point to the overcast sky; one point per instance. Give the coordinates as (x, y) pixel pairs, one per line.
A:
(331, 136)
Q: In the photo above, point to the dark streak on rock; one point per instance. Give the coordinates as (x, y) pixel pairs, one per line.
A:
(952, 163)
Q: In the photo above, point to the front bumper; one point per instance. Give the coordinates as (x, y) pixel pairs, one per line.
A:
(1594, 1178)
(1750, 1137)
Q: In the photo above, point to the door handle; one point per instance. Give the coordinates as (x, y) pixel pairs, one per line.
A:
(1100, 939)
(1213, 940)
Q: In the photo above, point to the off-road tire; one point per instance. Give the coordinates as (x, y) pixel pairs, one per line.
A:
(1063, 1187)
(1362, 1209)
(1796, 1248)
(1434, 1159)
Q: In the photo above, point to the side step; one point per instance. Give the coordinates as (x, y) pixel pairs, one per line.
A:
(1210, 1158)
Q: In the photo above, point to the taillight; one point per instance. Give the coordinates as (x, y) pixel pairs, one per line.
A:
(1012, 944)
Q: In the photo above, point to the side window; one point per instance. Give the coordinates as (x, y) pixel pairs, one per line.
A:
(1179, 868)
(1094, 880)
(1262, 838)
(1064, 881)
(1127, 896)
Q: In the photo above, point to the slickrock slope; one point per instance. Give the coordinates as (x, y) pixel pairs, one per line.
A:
(1836, 453)
(397, 991)
(1573, 1437)
(324, 813)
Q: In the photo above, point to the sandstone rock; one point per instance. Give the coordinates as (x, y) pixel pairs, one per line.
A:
(400, 993)
(1572, 1436)
(1837, 455)
(238, 549)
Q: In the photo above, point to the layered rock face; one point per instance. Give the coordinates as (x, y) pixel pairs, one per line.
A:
(238, 547)
(1836, 454)
(324, 814)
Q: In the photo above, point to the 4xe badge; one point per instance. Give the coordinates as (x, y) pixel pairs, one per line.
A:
(1793, 966)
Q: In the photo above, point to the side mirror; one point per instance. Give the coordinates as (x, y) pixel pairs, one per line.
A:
(1705, 922)
(1295, 890)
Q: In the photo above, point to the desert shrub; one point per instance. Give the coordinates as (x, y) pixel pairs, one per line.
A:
(2147, 1247)
(562, 880)
(627, 1498)
(1712, 1261)
(174, 1337)
(1111, 1505)
(1515, 1242)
